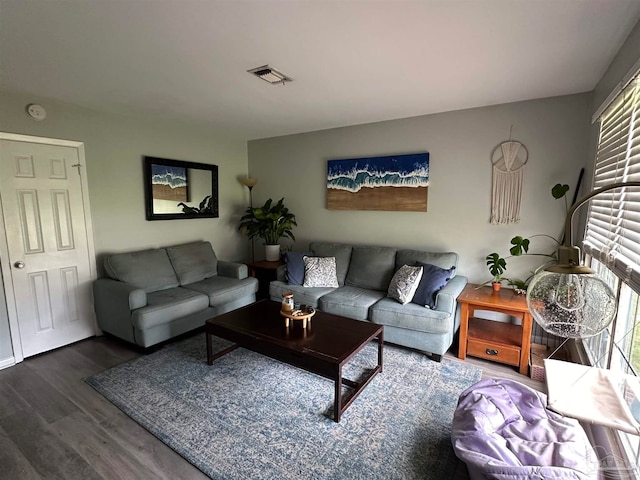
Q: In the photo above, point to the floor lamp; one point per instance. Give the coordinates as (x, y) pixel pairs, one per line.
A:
(570, 301)
(250, 182)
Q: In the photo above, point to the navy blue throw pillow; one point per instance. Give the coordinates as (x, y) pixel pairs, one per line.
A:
(295, 267)
(433, 279)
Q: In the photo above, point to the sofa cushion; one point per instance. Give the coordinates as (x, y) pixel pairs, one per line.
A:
(295, 266)
(444, 260)
(193, 261)
(404, 283)
(149, 270)
(352, 302)
(167, 305)
(371, 267)
(411, 317)
(432, 280)
(342, 254)
(301, 295)
(221, 290)
(320, 272)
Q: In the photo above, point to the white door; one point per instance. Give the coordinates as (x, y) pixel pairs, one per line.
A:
(47, 244)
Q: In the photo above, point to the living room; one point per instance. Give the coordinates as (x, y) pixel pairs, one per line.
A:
(556, 129)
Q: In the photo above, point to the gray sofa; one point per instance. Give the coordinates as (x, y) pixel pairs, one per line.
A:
(364, 274)
(153, 295)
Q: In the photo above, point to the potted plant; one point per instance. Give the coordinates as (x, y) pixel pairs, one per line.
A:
(270, 222)
(520, 247)
(497, 266)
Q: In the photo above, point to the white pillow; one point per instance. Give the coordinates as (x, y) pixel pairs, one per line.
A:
(320, 272)
(405, 283)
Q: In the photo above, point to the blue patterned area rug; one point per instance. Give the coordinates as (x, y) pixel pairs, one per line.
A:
(250, 417)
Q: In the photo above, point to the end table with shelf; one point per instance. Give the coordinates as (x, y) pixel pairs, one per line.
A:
(265, 272)
(493, 340)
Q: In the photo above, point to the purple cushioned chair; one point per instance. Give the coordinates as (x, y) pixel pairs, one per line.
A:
(503, 430)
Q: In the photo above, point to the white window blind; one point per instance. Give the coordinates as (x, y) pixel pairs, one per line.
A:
(613, 223)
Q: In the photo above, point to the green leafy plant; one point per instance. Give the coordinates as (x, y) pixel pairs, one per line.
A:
(520, 247)
(271, 222)
(497, 266)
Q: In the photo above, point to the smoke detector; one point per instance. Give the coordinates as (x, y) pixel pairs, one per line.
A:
(269, 74)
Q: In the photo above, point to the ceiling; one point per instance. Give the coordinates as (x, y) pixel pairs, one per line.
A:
(352, 61)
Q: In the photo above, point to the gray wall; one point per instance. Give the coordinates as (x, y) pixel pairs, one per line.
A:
(626, 57)
(114, 146)
(555, 131)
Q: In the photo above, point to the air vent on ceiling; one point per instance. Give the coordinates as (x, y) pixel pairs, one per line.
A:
(269, 74)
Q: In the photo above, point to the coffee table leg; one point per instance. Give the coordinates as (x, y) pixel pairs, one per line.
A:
(209, 351)
(337, 404)
(380, 344)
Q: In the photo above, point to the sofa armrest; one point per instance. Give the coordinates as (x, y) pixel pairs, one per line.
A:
(109, 292)
(113, 303)
(446, 297)
(232, 270)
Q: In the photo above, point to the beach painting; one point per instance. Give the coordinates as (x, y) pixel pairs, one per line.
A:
(390, 183)
(169, 183)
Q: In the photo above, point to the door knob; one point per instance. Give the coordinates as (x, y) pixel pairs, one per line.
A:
(19, 264)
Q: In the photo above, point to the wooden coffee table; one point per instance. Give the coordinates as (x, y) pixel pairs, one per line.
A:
(323, 348)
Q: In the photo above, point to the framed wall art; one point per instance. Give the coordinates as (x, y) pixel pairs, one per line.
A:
(389, 183)
(175, 189)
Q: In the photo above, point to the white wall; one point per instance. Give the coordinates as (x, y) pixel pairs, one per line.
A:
(555, 131)
(114, 147)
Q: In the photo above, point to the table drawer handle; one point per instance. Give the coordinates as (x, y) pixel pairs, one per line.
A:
(492, 351)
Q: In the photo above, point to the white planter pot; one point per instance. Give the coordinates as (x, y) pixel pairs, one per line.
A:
(272, 252)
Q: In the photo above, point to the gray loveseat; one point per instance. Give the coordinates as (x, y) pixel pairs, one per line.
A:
(153, 295)
(364, 274)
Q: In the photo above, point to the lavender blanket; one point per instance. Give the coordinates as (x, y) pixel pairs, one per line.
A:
(502, 430)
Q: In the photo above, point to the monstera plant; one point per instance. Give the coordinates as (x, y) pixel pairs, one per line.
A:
(497, 265)
(270, 222)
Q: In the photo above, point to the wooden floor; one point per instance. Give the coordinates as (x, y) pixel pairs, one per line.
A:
(54, 425)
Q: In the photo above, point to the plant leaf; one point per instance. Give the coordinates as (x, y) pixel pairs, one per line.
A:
(520, 246)
(559, 191)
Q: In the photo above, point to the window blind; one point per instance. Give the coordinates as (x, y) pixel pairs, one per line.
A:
(613, 222)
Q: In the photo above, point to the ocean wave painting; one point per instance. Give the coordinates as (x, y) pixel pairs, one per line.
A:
(392, 171)
(173, 177)
(395, 182)
(169, 183)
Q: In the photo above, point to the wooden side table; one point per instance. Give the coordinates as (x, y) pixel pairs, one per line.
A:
(501, 342)
(264, 271)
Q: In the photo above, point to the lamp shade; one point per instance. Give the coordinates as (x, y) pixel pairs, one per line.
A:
(571, 305)
(249, 182)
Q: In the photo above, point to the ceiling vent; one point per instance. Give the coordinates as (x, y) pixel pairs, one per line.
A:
(270, 75)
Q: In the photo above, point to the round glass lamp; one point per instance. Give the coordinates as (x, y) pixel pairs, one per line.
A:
(568, 299)
(571, 305)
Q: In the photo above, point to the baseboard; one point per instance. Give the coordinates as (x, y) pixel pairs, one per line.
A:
(7, 362)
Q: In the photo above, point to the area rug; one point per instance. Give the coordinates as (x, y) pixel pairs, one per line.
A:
(250, 417)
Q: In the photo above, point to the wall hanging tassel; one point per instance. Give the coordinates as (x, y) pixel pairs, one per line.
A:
(508, 159)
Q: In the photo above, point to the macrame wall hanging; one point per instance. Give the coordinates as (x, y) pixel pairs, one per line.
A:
(508, 159)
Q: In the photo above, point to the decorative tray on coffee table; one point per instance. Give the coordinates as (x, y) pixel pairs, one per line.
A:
(297, 314)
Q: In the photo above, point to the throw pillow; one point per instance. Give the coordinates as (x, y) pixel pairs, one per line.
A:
(320, 272)
(433, 279)
(295, 267)
(404, 283)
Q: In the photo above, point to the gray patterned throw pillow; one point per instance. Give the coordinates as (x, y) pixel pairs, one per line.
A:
(404, 283)
(320, 272)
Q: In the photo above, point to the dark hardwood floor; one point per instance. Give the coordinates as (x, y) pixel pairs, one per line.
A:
(55, 426)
